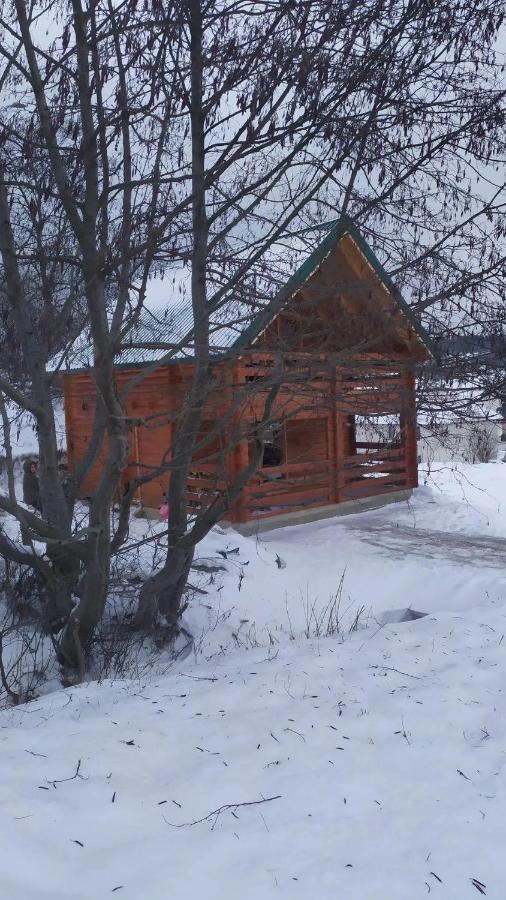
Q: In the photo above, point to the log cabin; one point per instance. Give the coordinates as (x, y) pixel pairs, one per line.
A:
(324, 368)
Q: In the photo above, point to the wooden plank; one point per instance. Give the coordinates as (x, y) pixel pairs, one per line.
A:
(373, 486)
(269, 488)
(278, 474)
(408, 425)
(270, 492)
(367, 407)
(389, 453)
(370, 445)
(298, 500)
(386, 489)
(266, 488)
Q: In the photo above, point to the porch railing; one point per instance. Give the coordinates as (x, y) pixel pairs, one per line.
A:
(285, 488)
(376, 470)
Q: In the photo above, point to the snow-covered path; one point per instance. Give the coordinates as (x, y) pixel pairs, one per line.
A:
(398, 541)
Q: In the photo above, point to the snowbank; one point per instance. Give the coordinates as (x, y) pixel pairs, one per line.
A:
(374, 768)
(365, 766)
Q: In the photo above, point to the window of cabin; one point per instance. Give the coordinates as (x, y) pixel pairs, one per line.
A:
(381, 431)
(350, 436)
(257, 369)
(274, 447)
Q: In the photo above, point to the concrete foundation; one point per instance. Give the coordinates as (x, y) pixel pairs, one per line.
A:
(314, 513)
(300, 516)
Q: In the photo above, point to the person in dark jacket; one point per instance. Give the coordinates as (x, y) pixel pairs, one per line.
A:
(31, 488)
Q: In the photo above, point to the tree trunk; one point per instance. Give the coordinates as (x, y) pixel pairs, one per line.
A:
(92, 591)
(161, 595)
(164, 591)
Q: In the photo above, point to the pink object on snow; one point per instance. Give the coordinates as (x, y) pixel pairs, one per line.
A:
(164, 511)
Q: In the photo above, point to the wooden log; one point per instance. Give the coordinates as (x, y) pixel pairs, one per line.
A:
(408, 426)
(238, 460)
(271, 492)
(373, 486)
(388, 453)
(297, 500)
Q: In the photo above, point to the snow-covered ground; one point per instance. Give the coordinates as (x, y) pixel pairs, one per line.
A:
(277, 761)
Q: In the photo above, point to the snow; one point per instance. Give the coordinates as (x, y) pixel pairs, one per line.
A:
(373, 759)
(23, 430)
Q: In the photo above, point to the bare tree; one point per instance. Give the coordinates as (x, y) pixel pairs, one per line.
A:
(83, 202)
(199, 135)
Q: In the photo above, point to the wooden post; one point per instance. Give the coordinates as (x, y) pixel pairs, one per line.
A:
(335, 444)
(408, 427)
(137, 460)
(239, 511)
(342, 438)
(238, 459)
(171, 411)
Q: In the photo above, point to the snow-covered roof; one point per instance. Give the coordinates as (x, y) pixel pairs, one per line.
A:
(173, 327)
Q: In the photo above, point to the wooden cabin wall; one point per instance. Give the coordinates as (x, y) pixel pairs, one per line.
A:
(154, 406)
(149, 402)
(321, 449)
(308, 441)
(79, 397)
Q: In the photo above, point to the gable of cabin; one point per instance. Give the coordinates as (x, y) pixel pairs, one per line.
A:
(344, 306)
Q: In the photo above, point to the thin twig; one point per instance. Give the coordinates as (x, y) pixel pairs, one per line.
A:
(215, 813)
(197, 677)
(391, 669)
(76, 774)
